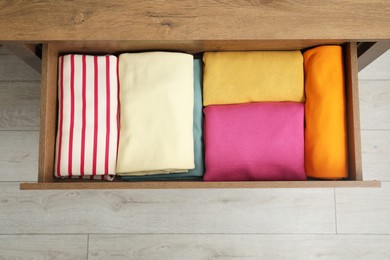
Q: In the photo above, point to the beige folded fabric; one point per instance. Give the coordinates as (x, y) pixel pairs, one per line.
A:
(156, 113)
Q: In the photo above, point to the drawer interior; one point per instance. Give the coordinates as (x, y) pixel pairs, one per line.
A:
(52, 50)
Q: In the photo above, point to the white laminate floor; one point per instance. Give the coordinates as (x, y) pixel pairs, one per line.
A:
(341, 223)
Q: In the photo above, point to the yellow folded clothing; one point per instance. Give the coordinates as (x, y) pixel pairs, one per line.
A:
(253, 76)
(156, 120)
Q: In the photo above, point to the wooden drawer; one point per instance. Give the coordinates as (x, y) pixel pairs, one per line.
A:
(52, 50)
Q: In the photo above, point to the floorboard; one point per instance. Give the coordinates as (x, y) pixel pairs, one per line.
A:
(363, 211)
(378, 70)
(19, 105)
(374, 100)
(14, 69)
(4, 50)
(238, 247)
(19, 156)
(376, 154)
(70, 247)
(167, 211)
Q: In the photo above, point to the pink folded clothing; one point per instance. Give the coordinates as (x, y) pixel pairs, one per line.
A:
(254, 142)
(87, 135)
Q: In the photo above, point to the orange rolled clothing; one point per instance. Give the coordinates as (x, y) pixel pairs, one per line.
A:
(325, 114)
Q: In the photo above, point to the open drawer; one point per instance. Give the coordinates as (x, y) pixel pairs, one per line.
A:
(51, 52)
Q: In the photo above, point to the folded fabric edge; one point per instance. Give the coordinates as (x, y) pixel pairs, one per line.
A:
(88, 177)
(157, 179)
(141, 173)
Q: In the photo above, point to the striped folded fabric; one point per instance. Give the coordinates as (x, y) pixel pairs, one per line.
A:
(255, 142)
(157, 102)
(198, 171)
(87, 136)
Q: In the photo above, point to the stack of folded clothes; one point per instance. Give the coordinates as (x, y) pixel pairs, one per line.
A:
(254, 116)
(268, 116)
(161, 117)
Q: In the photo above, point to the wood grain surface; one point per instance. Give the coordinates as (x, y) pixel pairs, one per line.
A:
(353, 112)
(48, 113)
(4, 50)
(374, 98)
(76, 184)
(188, 46)
(363, 211)
(238, 247)
(18, 155)
(379, 71)
(19, 105)
(27, 53)
(173, 224)
(72, 247)
(41, 20)
(376, 154)
(49, 108)
(370, 51)
(13, 69)
(166, 211)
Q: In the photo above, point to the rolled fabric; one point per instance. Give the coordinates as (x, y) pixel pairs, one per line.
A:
(198, 171)
(255, 142)
(156, 105)
(325, 114)
(87, 135)
(253, 76)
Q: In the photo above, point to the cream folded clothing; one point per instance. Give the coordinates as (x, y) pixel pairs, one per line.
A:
(156, 113)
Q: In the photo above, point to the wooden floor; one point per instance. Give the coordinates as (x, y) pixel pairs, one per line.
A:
(341, 223)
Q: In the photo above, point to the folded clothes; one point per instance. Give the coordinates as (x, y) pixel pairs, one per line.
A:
(198, 171)
(253, 76)
(156, 108)
(254, 142)
(87, 135)
(325, 113)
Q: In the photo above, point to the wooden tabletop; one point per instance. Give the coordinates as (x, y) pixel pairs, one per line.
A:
(38, 20)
